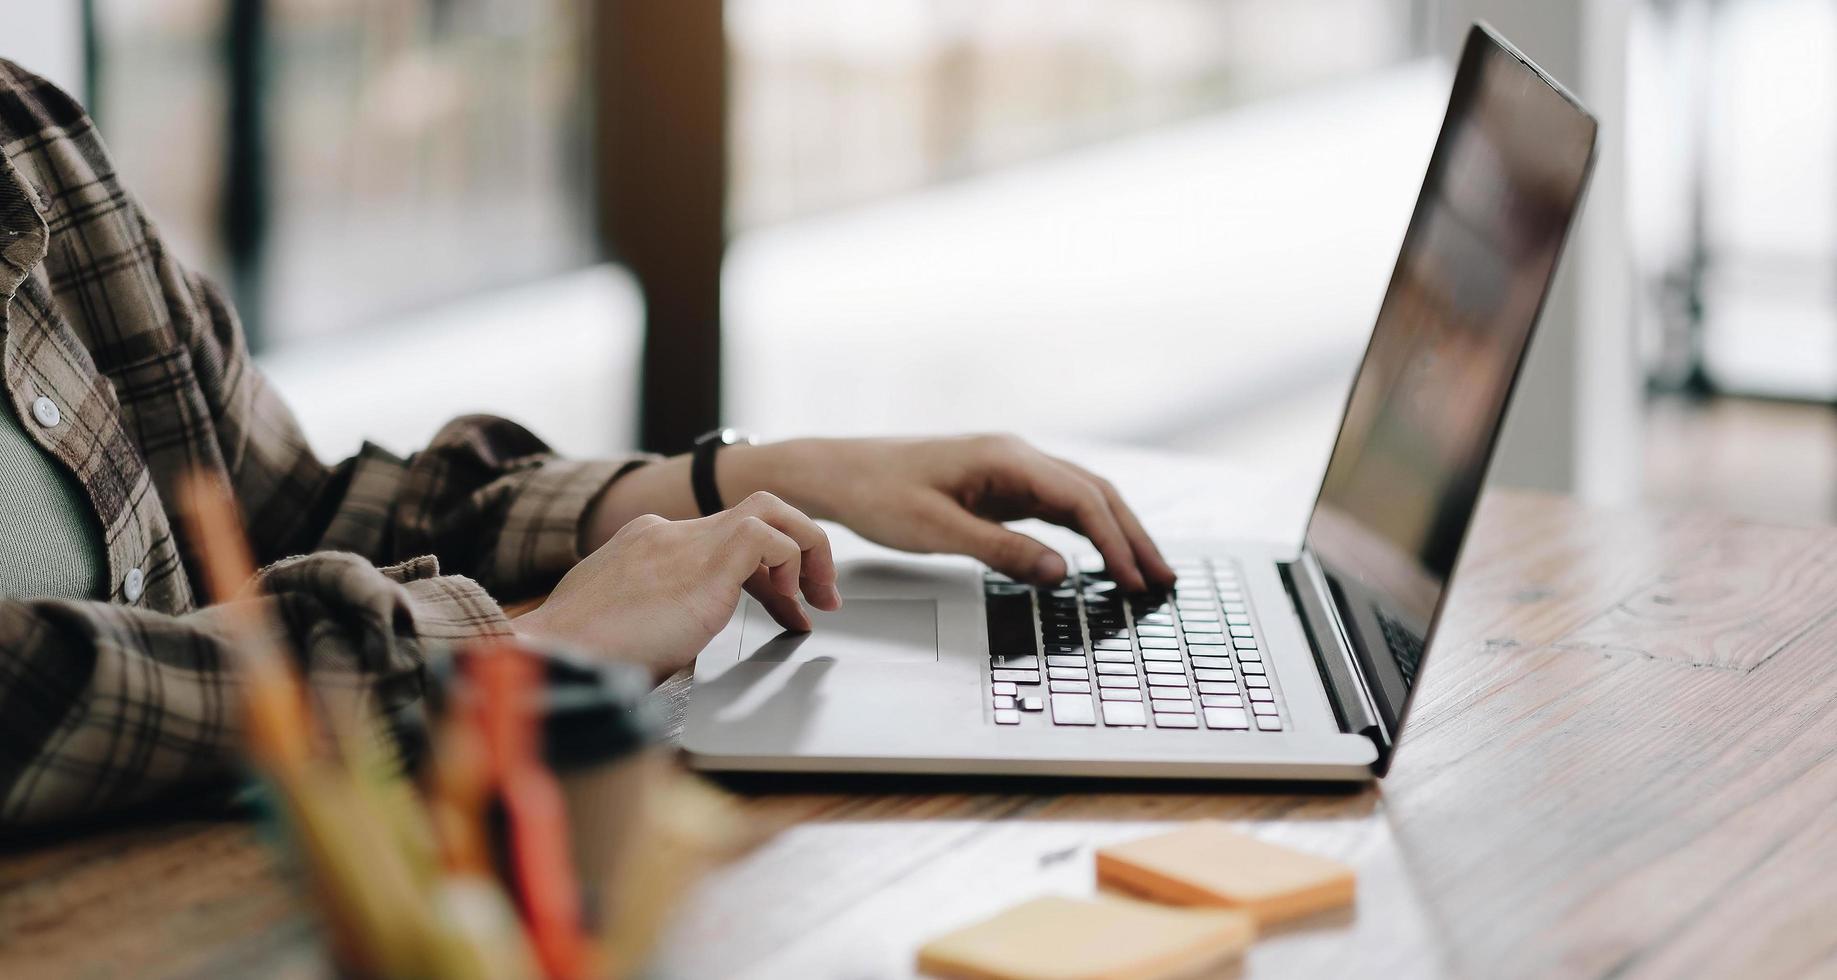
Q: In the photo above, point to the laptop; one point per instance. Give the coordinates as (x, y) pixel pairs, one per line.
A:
(1262, 662)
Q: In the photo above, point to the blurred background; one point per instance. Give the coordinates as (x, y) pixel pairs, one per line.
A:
(1164, 223)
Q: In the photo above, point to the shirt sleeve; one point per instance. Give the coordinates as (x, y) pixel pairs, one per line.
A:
(375, 563)
(486, 497)
(103, 706)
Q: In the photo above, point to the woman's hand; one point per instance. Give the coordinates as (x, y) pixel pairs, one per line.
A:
(951, 495)
(659, 590)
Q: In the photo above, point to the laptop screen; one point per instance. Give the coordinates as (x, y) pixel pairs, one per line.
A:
(1503, 184)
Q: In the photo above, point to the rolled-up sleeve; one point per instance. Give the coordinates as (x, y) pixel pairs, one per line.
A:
(103, 706)
(486, 496)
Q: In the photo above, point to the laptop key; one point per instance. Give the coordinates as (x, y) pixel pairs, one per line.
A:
(1073, 709)
(1009, 620)
(1269, 723)
(1223, 701)
(1244, 642)
(1263, 707)
(1003, 687)
(1250, 656)
(1017, 676)
(1177, 707)
(1119, 694)
(1120, 669)
(1067, 673)
(1242, 631)
(1254, 681)
(1070, 687)
(1003, 701)
(1110, 643)
(1208, 628)
(1128, 713)
(1251, 667)
(1034, 703)
(1220, 663)
(1165, 667)
(1165, 656)
(1064, 660)
(1115, 657)
(1015, 661)
(1233, 719)
(1205, 640)
(1152, 630)
(1217, 687)
(1203, 674)
(1113, 680)
(1175, 721)
(1007, 716)
(1160, 643)
(1237, 619)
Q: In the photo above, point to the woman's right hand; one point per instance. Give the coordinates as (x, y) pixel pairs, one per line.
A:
(659, 590)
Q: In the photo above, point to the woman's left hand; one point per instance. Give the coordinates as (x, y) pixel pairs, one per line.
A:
(952, 495)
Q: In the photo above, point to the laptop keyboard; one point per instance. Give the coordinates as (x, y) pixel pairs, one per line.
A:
(1405, 646)
(1084, 653)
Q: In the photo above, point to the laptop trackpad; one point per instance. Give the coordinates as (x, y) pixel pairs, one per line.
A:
(901, 631)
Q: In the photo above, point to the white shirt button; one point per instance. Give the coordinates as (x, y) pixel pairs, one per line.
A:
(133, 584)
(45, 411)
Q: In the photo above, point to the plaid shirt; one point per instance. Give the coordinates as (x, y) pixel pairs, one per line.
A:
(109, 702)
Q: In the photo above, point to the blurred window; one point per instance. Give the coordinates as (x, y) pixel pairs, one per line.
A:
(415, 150)
(837, 101)
(1733, 219)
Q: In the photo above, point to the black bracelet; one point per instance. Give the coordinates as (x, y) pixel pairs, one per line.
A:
(701, 467)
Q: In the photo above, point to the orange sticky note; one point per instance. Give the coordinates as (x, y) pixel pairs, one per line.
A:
(1208, 863)
(1055, 938)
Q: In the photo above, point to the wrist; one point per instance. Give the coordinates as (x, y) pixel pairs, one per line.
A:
(780, 468)
(660, 487)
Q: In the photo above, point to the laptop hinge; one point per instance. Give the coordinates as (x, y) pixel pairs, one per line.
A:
(1345, 682)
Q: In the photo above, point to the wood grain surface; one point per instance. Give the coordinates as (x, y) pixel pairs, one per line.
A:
(1623, 762)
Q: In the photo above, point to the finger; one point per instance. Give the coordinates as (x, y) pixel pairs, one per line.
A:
(752, 542)
(1009, 552)
(1147, 554)
(817, 571)
(783, 608)
(1076, 502)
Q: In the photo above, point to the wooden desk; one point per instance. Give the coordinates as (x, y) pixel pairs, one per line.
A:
(1623, 761)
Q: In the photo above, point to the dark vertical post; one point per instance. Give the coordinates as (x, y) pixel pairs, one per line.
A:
(661, 159)
(243, 218)
(92, 61)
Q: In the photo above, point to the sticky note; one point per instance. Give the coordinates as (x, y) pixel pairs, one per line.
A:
(1057, 938)
(1208, 863)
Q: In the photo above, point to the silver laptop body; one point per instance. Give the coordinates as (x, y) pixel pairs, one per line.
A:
(1262, 662)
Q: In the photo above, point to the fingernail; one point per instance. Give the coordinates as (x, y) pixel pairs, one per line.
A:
(1048, 567)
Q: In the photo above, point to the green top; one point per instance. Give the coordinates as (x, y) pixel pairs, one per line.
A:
(50, 544)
